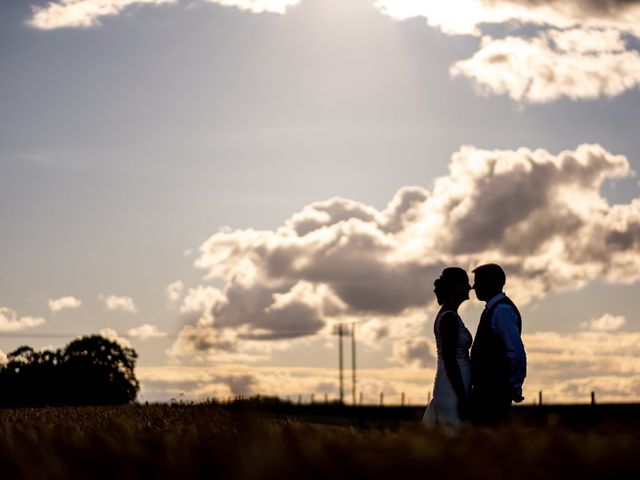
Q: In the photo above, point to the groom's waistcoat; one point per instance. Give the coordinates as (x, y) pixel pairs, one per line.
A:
(490, 368)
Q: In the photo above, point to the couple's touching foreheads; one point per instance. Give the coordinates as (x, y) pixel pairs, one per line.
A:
(478, 378)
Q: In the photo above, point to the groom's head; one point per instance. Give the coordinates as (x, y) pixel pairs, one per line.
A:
(488, 281)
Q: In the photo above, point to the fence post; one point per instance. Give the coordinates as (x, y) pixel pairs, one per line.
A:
(540, 398)
(593, 398)
(402, 400)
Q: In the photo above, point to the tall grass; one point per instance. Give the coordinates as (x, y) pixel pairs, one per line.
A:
(208, 441)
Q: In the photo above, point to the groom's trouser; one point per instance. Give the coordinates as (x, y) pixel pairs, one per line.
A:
(490, 406)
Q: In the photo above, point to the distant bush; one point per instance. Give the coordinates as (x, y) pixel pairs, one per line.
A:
(91, 370)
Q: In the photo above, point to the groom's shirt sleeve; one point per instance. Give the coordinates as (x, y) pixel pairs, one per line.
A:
(505, 324)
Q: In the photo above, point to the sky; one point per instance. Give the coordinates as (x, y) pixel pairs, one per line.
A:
(219, 183)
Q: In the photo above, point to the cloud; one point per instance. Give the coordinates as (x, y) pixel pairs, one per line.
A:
(62, 303)
(565, 366)
(162, 383)
(577, 64)
(579, 9)
(580, 52)
(10, 321)
(112, 335)
(119, 303)
(146, 332)
(174, 291)
(198, 343)
(80, 13)
(258, 6)
(587, 41)
(568, 366)
(447, 16)
(201, 299)
(224, 380)
(605, 323)
(241, 384)
(416, 352)
(528, 70)
(444, 15)
(538, 214)
(87, 13)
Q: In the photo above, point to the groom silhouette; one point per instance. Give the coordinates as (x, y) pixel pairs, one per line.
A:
(498, 359)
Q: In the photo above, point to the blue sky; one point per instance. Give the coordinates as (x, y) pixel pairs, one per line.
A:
(130, 140)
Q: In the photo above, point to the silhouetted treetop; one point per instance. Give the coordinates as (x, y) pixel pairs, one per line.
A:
(91, 370)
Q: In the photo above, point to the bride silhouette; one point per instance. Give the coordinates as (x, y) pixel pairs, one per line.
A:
(452, 386)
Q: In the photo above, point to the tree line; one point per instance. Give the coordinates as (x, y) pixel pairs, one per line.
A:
(91, 370)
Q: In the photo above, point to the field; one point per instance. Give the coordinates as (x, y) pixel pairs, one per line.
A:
(245, 442)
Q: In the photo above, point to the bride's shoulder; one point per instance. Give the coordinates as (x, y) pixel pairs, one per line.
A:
(448, 316)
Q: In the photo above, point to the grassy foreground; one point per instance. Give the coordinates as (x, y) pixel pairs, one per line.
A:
(208, 441)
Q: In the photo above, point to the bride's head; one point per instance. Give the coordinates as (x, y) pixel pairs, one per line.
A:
(452, 286)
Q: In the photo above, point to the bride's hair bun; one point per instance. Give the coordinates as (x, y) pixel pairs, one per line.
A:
(446, 282)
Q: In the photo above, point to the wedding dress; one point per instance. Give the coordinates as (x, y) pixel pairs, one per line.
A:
(443, 408)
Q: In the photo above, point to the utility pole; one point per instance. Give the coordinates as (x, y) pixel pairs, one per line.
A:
(341, 363)
(353, 361)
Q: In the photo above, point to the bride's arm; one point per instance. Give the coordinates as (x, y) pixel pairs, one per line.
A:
(449, 328)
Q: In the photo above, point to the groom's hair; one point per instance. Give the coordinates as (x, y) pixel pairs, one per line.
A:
(492, 272)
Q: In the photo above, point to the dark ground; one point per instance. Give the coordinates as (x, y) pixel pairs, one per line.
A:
(393, 417)
(250, 440)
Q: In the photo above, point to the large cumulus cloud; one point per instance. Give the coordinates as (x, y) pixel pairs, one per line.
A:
(540, 215)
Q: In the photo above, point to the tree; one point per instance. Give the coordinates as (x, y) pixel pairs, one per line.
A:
(99, 371)
(90, 370)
